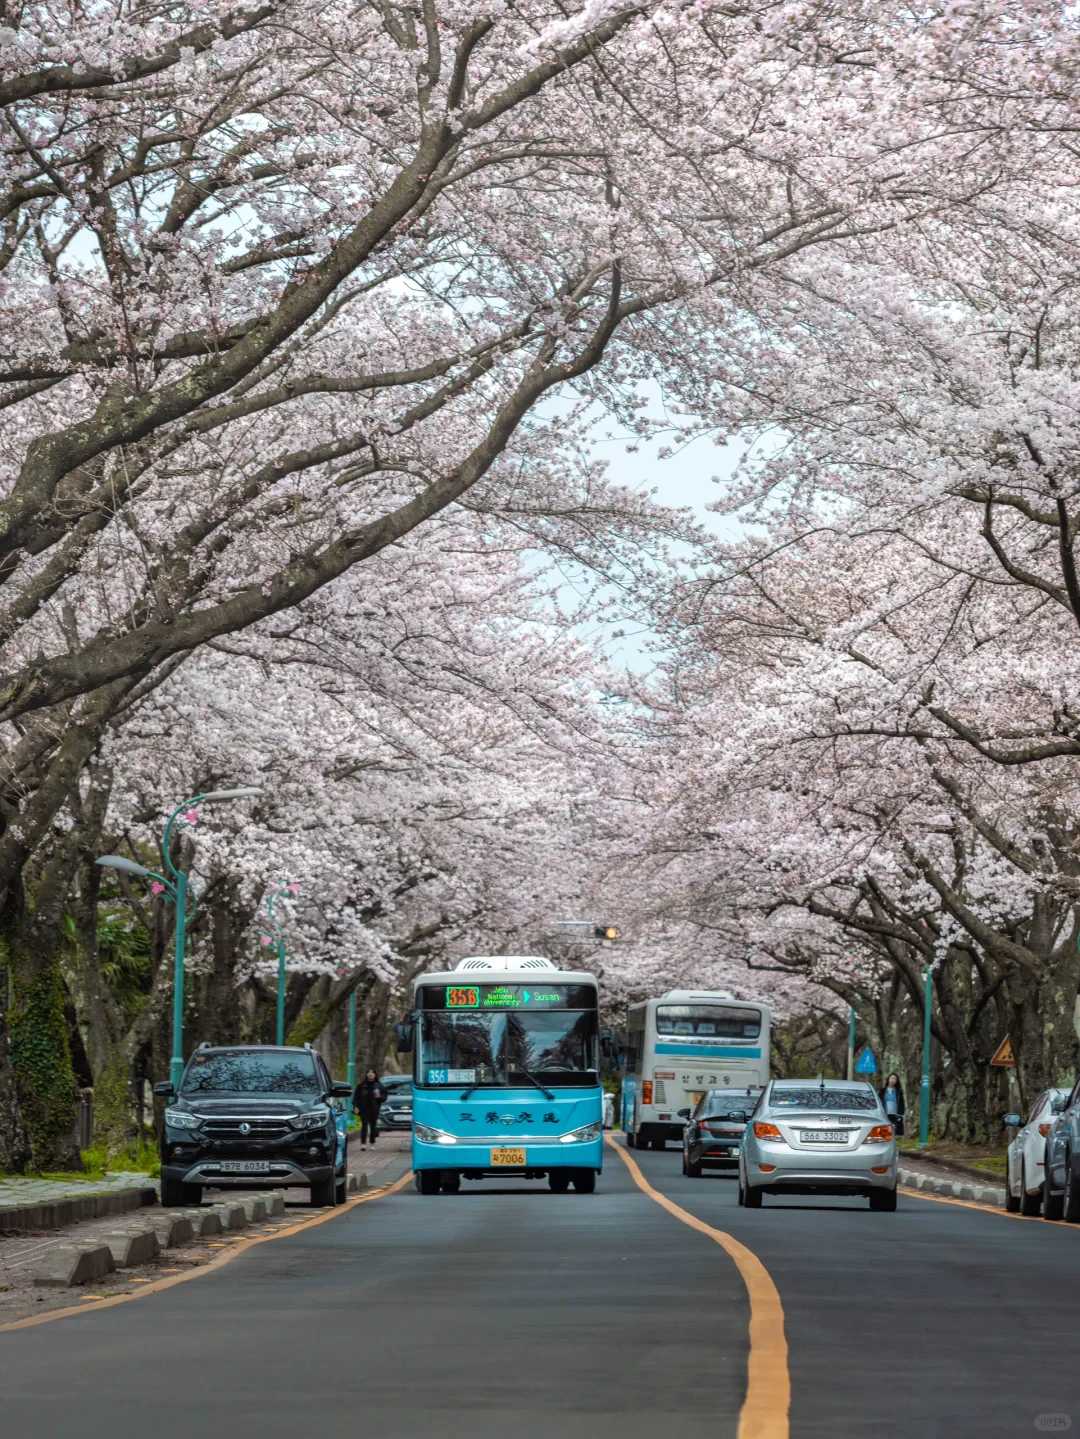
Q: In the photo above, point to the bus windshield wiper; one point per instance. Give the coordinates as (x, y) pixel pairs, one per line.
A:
(533, 1079)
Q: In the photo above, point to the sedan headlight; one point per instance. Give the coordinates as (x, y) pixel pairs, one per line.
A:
(182, 1119)
(584, 1135)
(311, 1118)
(427, 1135)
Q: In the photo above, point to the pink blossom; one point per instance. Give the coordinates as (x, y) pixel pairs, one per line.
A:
(157, 887)
(190, 816)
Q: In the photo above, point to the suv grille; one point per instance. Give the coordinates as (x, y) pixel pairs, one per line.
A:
(228, 1127)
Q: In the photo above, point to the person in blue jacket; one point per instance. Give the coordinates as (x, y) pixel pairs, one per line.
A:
(892, 1099)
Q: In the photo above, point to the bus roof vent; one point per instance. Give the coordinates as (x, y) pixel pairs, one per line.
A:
(505, 962)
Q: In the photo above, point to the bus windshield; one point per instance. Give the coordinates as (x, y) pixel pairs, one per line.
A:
(497, 1048)
(708, 1021)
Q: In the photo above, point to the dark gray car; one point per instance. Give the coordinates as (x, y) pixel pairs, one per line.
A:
(1061, 1175)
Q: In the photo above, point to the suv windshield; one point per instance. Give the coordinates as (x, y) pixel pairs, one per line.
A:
(244, 1071)
(823, 1099)
(500, 1048)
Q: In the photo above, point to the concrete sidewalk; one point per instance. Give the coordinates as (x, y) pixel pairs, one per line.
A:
(33, 1204)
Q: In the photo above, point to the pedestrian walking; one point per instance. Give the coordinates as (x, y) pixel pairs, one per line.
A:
(892, 1099)
(368, 1098)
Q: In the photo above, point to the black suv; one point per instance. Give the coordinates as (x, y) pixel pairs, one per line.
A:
(252, 1116)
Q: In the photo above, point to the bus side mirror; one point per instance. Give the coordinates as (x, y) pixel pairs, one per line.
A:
(404, 1033)
(684, 1113)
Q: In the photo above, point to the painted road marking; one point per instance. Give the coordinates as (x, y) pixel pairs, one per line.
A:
(766, 1408)
(155, 1286)
(1059, 1224)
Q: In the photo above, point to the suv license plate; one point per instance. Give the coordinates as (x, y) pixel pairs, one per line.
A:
(826, 1136)
(246, 1166)
(515, 1157)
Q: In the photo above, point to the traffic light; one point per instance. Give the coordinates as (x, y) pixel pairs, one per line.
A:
(606, 932)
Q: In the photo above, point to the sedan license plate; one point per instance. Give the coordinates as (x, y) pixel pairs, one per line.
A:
(246, 1166)
(511, 1157)
(825, 1136)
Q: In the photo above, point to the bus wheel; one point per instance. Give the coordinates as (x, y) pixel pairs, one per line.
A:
(559, 1181)
(659, 1144)
(428, 1181)
(631, 1142)
(451, 1183)
(584, 1181)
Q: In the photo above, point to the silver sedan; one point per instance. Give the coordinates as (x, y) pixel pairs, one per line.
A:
(826, 1136)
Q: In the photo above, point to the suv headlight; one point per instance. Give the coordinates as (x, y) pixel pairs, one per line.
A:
(181, 1119)
(311, 1118)
(428, 1135)
(584, 1135)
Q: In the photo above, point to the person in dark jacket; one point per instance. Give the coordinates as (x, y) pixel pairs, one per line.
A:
(368, 1098)
(892, 1099)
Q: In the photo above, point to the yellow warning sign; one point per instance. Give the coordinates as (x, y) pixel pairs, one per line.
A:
(1003, 1055)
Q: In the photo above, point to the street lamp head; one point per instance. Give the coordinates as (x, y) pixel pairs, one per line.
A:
(117, 861)
(247, 791)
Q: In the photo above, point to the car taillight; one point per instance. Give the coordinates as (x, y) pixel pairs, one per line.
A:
(1044, 1129)
(766, 1131)
(880, 1132)
(646, 1091)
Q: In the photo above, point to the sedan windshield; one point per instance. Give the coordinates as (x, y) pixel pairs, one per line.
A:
(716, 1106)
(834, 1099)
(500, 1048)
(244, 1072)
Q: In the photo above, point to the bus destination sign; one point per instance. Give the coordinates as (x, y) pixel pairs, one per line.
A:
(507, 996)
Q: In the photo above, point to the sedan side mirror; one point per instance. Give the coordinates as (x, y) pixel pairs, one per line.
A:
(1012, 1121)
(683, 1113)
(1059, 1104)
(340, 1090)
(164, 1089)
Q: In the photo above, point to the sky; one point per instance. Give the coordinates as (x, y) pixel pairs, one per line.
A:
(691, 478)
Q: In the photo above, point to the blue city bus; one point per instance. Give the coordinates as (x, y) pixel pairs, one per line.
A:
(506, 1080)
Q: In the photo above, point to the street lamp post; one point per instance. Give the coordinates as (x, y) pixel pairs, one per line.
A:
(350, 1073)
(924, 1085)
(851, 1042)
(177, 890)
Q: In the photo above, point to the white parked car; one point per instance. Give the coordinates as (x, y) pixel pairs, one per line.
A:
(1026, 1155)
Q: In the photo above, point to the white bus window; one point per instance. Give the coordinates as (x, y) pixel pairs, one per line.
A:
(708, 1021)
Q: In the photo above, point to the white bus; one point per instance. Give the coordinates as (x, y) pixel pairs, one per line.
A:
(679, 1046)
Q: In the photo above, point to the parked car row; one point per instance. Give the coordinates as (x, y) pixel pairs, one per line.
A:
(795, 1136)
(1043, 1163)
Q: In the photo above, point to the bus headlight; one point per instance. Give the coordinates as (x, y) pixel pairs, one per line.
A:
(584, 1135)
(428, 1135)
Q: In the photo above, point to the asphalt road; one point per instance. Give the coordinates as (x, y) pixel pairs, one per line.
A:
(509, 1311)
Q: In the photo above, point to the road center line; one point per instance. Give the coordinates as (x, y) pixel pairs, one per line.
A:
(240, 1247)
(766, 1407)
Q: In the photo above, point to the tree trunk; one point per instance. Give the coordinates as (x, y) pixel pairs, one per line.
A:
(40, 1055)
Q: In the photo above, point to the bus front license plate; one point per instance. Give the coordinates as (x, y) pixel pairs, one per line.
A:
(514, 1158)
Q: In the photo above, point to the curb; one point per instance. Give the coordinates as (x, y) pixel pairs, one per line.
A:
(952, 1188)
(56, 1213)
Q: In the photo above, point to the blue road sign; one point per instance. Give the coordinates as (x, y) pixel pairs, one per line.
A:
(866, 1063)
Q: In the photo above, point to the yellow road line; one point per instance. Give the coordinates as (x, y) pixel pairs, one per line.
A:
(767, 1403)
(989, 1209)
(240, 1247)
